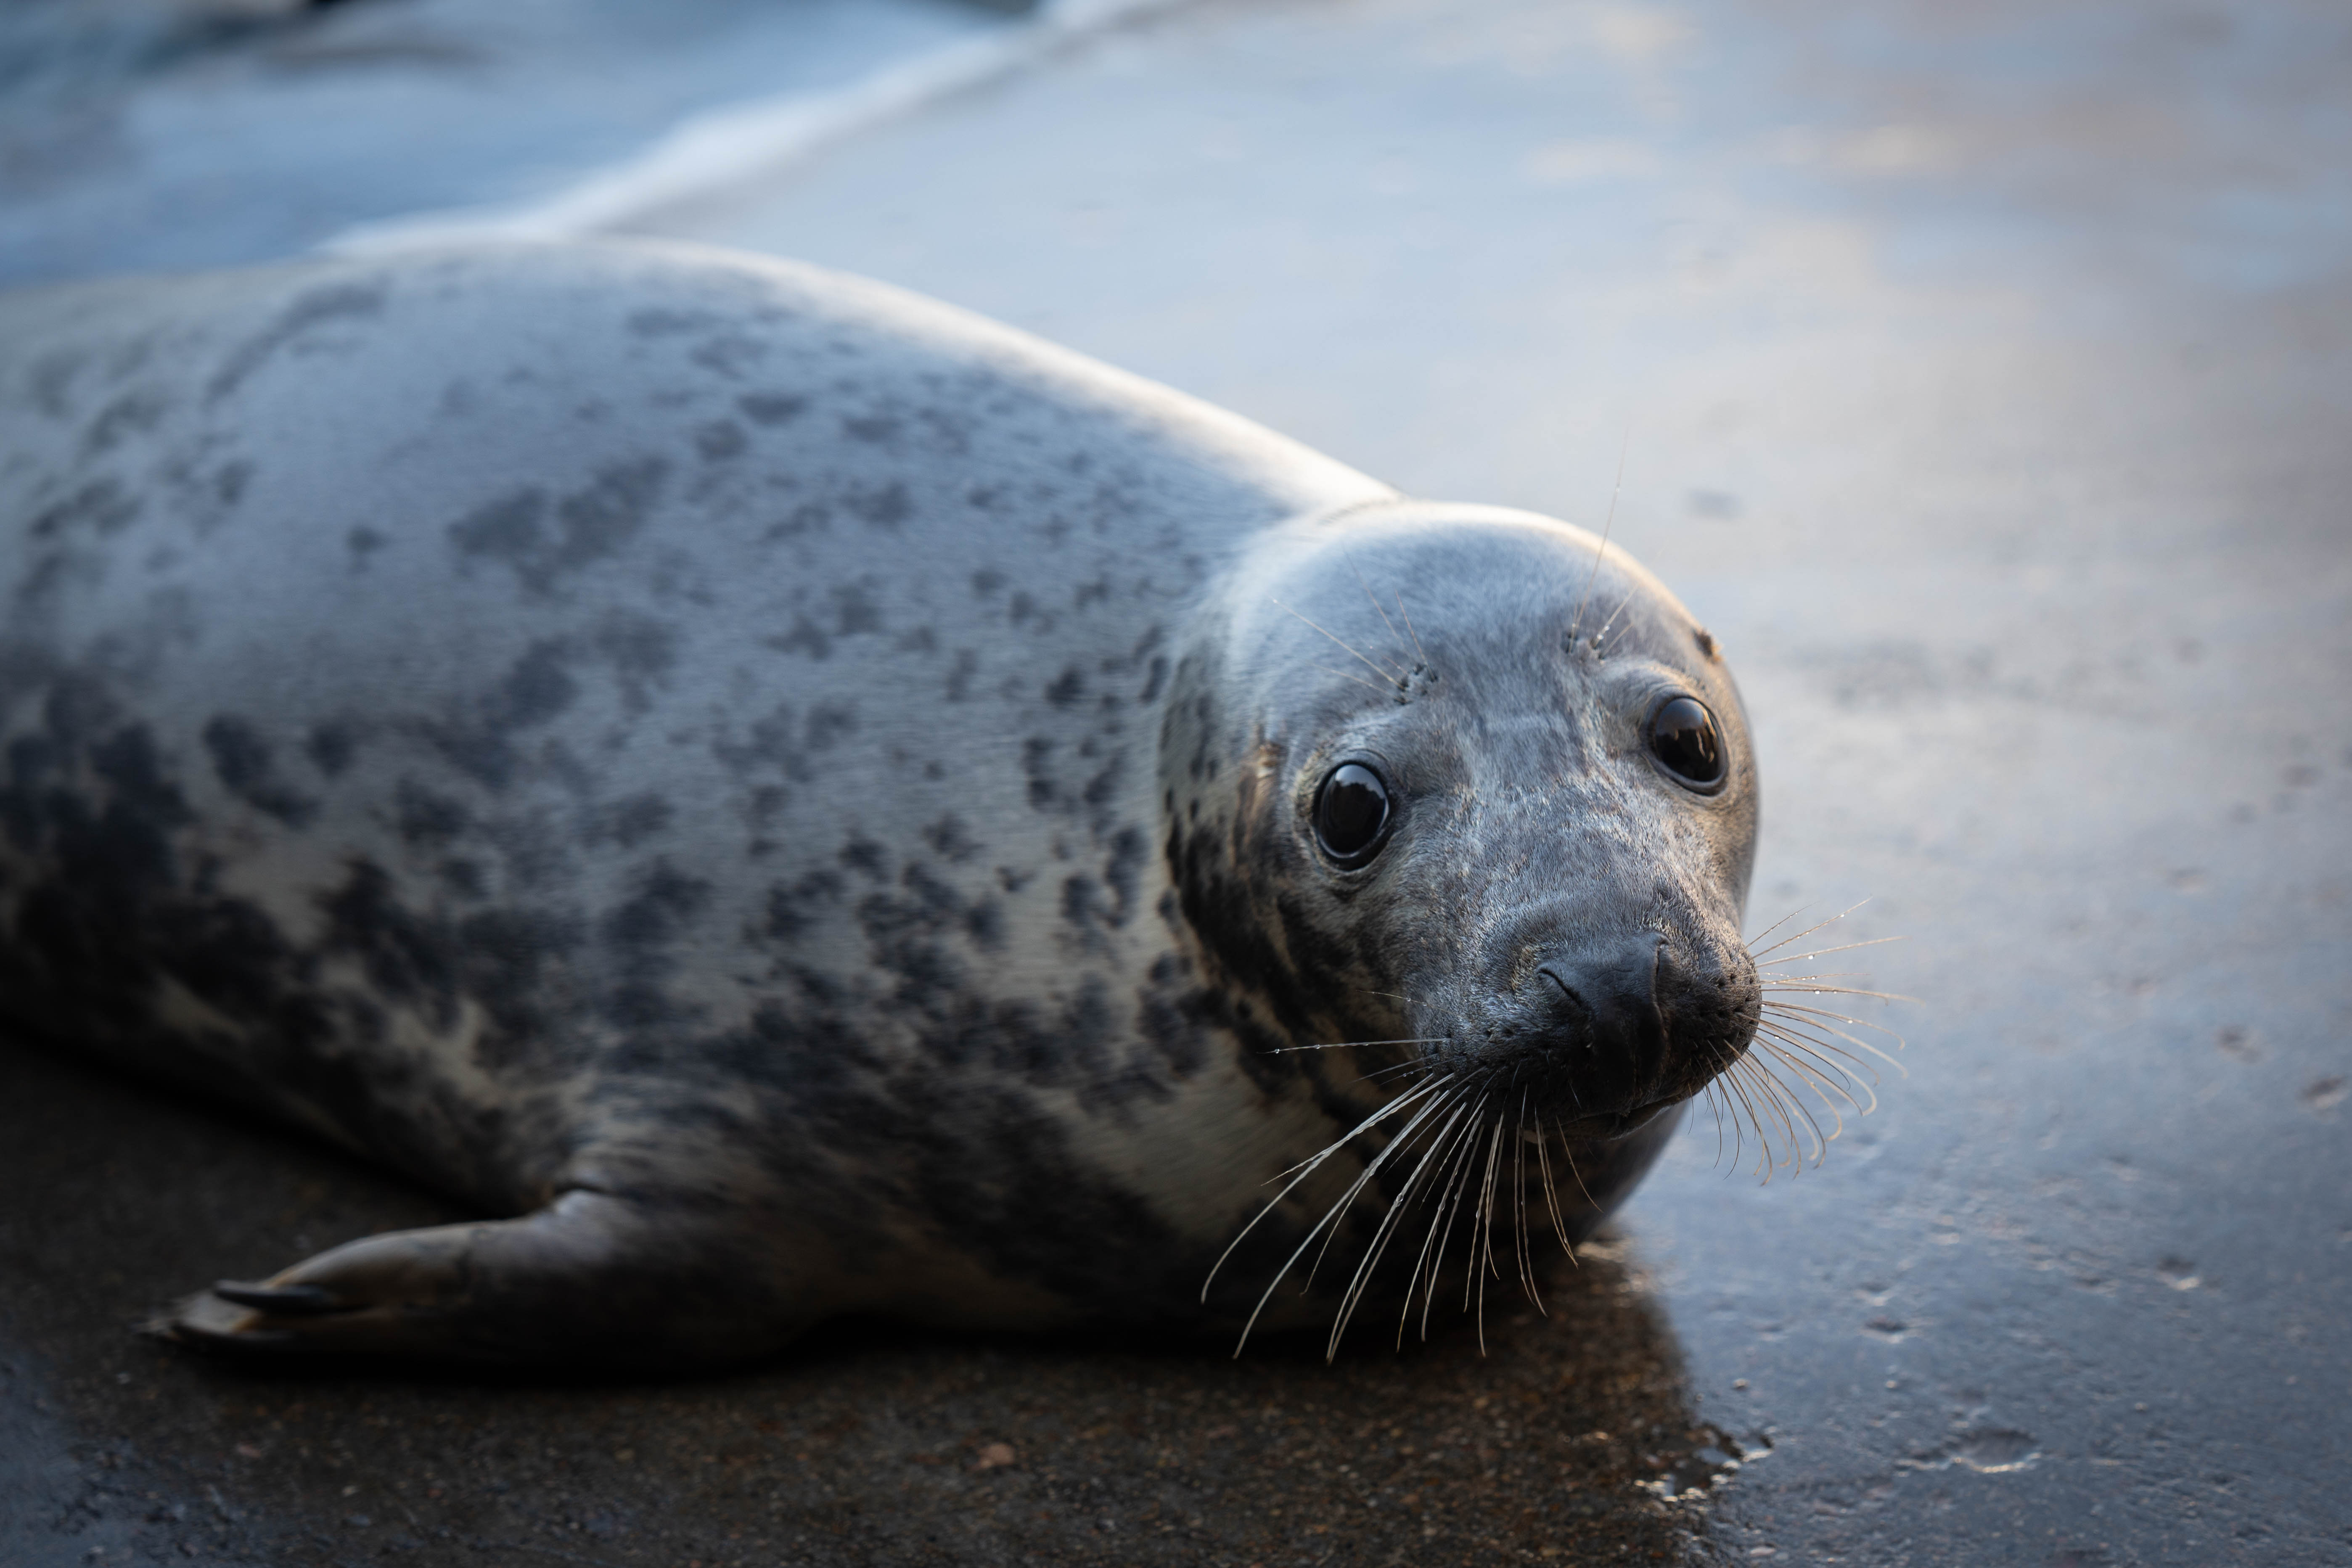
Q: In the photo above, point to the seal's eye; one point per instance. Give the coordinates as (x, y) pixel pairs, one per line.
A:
(1351, 815)
(1683, 739)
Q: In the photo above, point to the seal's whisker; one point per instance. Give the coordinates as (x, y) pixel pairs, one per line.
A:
(1308, 1167)
(1601, 551)
(1387, 1232)
(1519, 1209)
(1446, 1150)
(1828, 1089)
(1792, 1109)
(1736, 1083)
(1448, 1145)
(1394, 682)
(1569, 1155)
(1482, 1232)
(1419, 651)
(1776, 1095)
(1377, 608)
(1811, 1017)
(1840, 1079)
(1338, 1210)
(1814, 986)
(1757, 952)
(1330, 1217)
(1715, 1098)
(1552, 1189)
(1810, 1012)
(1776, 925)
(1353, 1045)
(1344, 675)
(1825, 1051)
(1450, 1206)
(1726, 1058)
(1821, 1141)
(1825, 952)
(1600, 638)
(1821, 1034)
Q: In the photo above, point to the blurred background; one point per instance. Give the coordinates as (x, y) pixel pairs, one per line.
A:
(1981, 376)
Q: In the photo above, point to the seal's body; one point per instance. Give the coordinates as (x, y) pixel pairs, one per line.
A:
(814, 801)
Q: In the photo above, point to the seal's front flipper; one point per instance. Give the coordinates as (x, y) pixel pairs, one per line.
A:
(591, 1279)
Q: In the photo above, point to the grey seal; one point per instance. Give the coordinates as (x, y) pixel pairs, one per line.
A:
(799, 800)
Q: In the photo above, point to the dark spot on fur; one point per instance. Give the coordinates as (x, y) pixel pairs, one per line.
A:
(770, 408)
(872, 428)
(242, 761)
(829, 724)
(657, 322)
(340, 302)
(596, 522)
(885, 508)
(1036, 754)
(792, 912)
(425, 819)
(806, 636)
(951, 840)
(133, 412)
(1081, 906)
(855, 611)
(630, 820)
(721, 441)
(332, 746)
(102, 506)
(986, 581)
(665, 902)
(868, 855)
(1066, 688)
(967, 665)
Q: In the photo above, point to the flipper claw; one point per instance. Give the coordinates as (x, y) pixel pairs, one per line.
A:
(286, 1301)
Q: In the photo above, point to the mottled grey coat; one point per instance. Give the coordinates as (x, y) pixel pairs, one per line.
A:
(686, 749)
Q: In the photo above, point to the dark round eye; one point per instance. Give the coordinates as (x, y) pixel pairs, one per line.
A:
(1351, 815)
(1683, 739)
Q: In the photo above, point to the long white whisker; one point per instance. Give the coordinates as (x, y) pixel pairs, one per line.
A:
(1419, 651)
(1393, 683)
(1387, 1231)
(1331, 1216)
(1450, 1206)
(1623, 445)
(1307, 1168)
(1825, 952)
(1757, 952)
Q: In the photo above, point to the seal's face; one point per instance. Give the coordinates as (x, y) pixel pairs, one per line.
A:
(1454, 778)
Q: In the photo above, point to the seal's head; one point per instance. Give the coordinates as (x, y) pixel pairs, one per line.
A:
(1461, 778)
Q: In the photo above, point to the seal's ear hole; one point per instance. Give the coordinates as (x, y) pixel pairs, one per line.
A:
(1687, 743)
(1352, 814)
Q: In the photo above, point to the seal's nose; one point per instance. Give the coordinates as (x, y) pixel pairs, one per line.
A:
(1606, 1000)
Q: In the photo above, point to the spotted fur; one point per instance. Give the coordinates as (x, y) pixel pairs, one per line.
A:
(793, 790)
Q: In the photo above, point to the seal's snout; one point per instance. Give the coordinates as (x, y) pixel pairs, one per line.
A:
(1599, 1011)
(1608, 1030)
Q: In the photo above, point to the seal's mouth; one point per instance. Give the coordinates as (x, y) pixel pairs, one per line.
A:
(1602, 1127)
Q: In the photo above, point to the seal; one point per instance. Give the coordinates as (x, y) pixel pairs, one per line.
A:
(791, 799)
